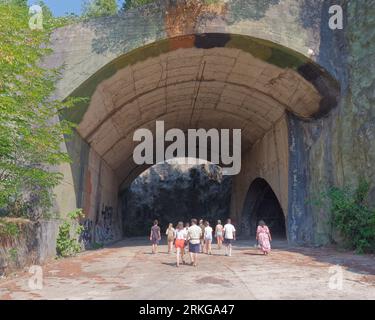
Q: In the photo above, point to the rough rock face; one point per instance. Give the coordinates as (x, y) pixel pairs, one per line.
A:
(34, 243)
(339, 148)
(172, 193)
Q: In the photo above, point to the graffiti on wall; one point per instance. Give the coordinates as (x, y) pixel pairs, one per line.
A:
(100, 232)
(86, 235)
(104, 229)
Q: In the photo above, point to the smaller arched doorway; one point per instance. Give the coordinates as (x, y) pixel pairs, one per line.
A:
(262, 204)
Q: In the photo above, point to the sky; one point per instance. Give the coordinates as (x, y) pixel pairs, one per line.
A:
(60, 7)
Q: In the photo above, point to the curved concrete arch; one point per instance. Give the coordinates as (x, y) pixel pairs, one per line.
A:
(255, 194)
(214, 68)
(252, 95)
(86, 47)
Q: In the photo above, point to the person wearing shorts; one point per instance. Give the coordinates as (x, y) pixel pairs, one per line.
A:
(180, 238)
(155, 236)
(170, 237)
(208, 237)
(229, 237)
(194, 237)
(219, 234)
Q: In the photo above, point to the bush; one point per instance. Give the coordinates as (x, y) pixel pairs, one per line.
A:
(8, 229)
(67, 243)
(352, 216)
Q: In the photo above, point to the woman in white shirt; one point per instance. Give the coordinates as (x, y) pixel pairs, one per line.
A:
(208, 237)
(229, 237)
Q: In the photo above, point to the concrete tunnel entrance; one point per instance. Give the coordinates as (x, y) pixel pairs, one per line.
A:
(196, 82)
(262, 204)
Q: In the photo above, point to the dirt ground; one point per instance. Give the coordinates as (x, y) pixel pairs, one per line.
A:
(128, 270)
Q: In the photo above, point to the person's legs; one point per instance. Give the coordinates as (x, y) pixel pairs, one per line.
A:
(178, 256)
(191, 257)
(191, 254)
(209, 246)
(195, 259)
(230, 249)
(182, 255)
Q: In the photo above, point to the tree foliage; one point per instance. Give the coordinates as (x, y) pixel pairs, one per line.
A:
(99, 8)
(30, 133)
(67, 242)
(131, 4)
(352, 216)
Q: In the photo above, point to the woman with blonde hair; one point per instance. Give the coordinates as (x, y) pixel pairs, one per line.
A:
(219, 234)
(180, 239)
(208, 237)
(170, 237)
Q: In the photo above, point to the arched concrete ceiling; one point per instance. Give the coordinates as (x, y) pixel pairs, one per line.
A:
(222, 64)
(85, 47)
(224, 88)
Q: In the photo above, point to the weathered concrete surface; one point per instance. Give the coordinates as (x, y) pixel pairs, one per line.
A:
(91, 45)
(268, 159)
(151, 63)
(193, 88)
(232, 64)
(34, 243)
(129, 271)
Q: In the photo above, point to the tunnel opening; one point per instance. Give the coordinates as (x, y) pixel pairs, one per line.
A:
(262, 204)
(174, 191)
(248, 84)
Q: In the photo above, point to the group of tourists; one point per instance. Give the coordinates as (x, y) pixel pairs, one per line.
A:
(197, 238)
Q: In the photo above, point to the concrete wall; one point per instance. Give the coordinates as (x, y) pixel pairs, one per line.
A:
(267, 159)
(88, 46)
(336, 147)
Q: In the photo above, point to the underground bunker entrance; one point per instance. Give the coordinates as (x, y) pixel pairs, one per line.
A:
(262, 204)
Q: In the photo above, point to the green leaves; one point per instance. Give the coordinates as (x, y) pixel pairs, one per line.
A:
(130, 4)
(99, 8)
(352, 216)
(67, 243)
(31, 133)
